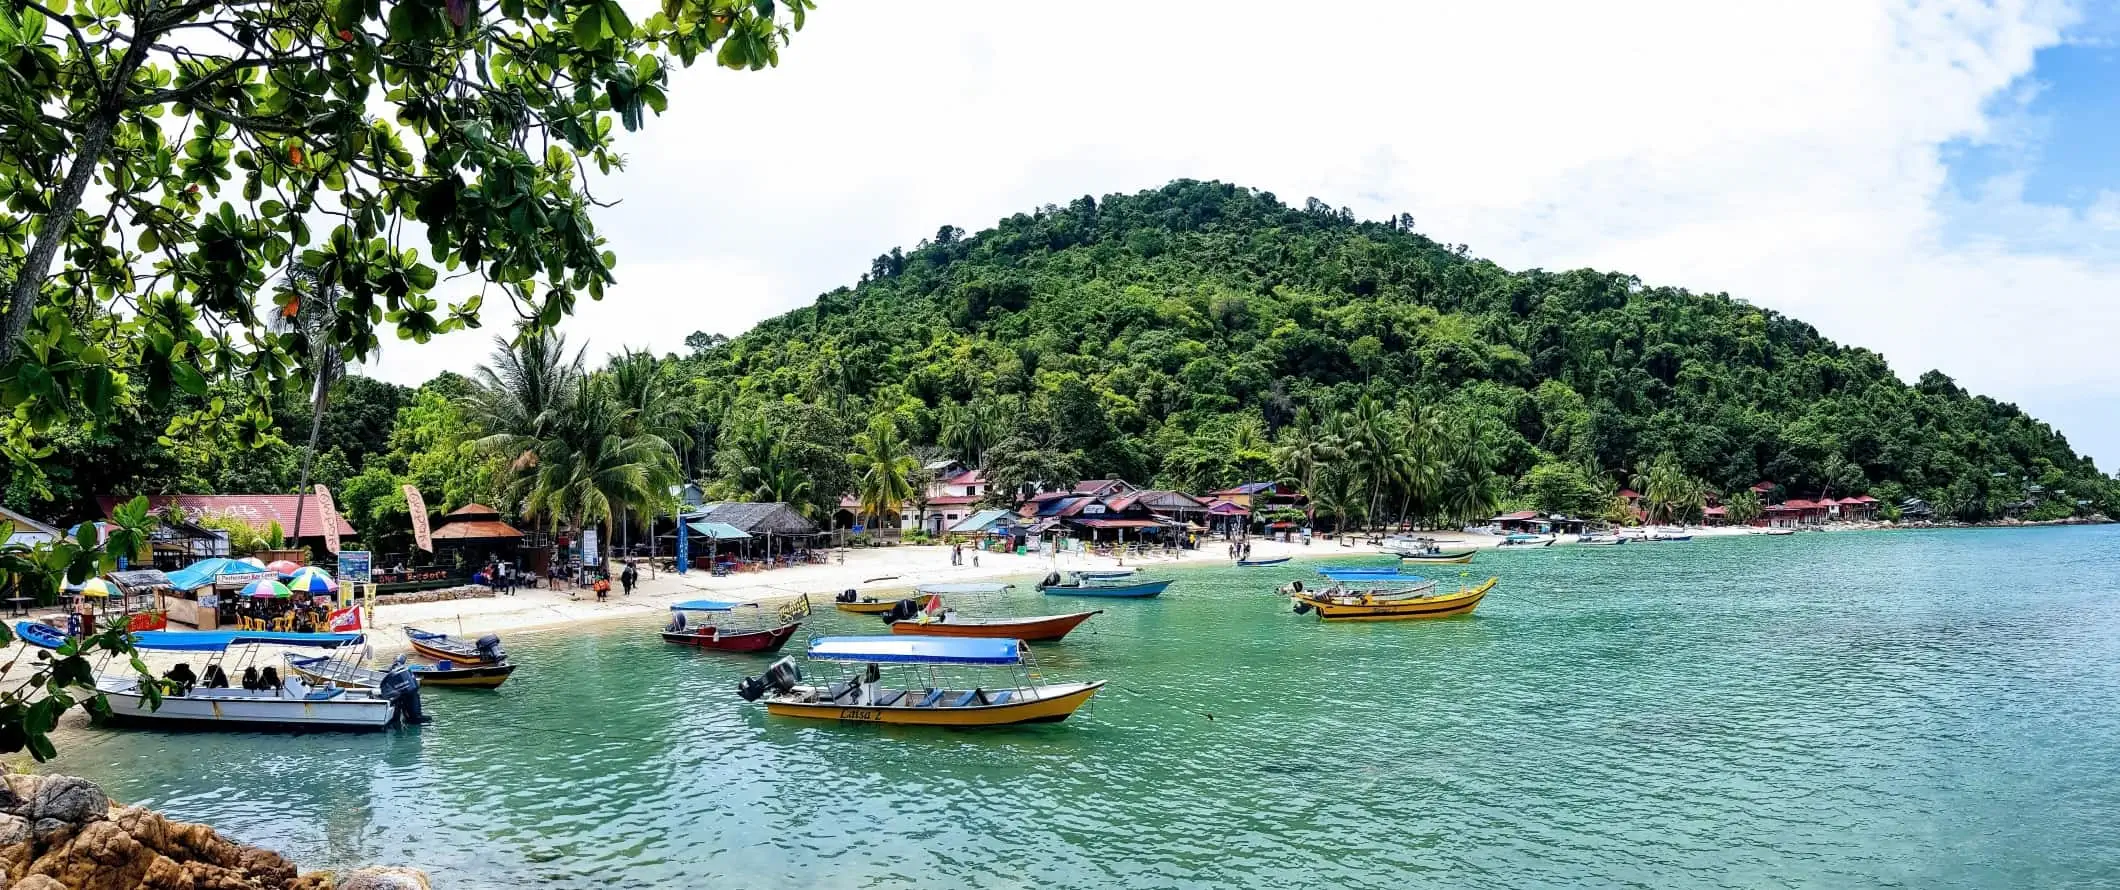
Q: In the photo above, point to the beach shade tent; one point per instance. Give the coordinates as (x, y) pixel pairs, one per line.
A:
(267, 588)
(473, 535)
(312, 581)
(100, 588)
(219, 571)
(284, 568)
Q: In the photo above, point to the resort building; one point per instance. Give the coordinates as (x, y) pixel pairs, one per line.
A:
(27, 531)
(953, 492)
(259, 511)
(474, 535)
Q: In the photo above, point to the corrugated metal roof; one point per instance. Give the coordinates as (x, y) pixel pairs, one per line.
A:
(255, 509)
(475, 529)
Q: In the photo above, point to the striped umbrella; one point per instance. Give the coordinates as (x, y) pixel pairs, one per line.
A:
(312, 580)
(267, 588)
(100, 589)
(283, 567)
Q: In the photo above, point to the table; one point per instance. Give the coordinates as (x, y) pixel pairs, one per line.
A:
(18, 605)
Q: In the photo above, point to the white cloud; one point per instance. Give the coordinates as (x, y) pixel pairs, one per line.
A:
(1787, 154)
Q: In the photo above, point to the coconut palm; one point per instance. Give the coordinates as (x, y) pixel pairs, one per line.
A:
(885, 468)
(1308, 449)
(520, 395)
(1743, 507)
(1340, 493)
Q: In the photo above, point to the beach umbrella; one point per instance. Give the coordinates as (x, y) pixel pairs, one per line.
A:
(283, 567)
(312, 580)
(266, 588)
(101, 589)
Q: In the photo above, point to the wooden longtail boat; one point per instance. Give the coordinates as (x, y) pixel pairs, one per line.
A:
(1364, 605)
(736, 627)
(865, 606)
(443, 647)
(338, 672)
(1459, 559)
(1039, 629)
(865, 698)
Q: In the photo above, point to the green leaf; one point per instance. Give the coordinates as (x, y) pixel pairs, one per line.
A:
(589, 26)
(188, 378)
(148, 242)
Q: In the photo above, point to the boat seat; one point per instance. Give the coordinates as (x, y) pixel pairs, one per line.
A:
(840, 690)
(888, 698)
(963, 700)
(1001, 698)
(933, 696)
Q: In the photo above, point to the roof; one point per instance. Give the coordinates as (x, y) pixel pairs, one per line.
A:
(772, 517)
(720, 531)
(27, 530)
(1801, 504)
(1520, 514)
(1865, 499)
(918, 650)
(473, 529)
(255, 509)
(968, 477)
(1117, 523)
(1165, 499)
(217, 640)
(704, 606)
(1226, 508)
(942, 464)
(1246, 488)
(1629, 493)
(1783, 508)
(979, 521)
(1762, 487)
(473, 510)
(1096, 486)
(951, 500)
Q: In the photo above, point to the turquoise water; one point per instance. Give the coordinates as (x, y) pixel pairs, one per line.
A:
(1918, 709)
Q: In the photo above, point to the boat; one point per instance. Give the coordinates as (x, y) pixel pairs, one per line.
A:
(1369, 575)
(1405, 547)
(37, 633)
(1453, 559)
(207, 700)
(1081, 584)
(1347, 604)
(862, 605)
(922, 699)
(736, 627)
(1035, 629)
(1106, 573)
(443, 647)
(340, 672)
(1264, 562)
(1598, 540)
(1777, 532)
(1523, 540)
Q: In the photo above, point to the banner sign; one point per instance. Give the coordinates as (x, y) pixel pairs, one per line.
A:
(328, 512)
(356, 566)
(417, 506)
(345, 620)
(684, 545)
(589, 548)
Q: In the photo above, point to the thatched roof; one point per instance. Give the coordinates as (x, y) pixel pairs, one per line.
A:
(757, 519)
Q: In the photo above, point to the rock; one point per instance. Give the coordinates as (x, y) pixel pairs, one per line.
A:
(51, 831)
(69, 799)
(384, 879)
(21, 791)
(38, 882)
(101, 857)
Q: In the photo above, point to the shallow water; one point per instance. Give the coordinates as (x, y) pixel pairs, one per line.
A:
(1918, 709)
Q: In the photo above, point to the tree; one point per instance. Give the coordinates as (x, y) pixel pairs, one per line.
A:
(885, 470)
(1306, 449)
(175, 159)
(1743, 507)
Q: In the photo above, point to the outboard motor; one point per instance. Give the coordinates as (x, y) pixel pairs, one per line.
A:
(847, 596)
(1302, 608)
(1298, 585)
(903, 610)
(1052, 579)
(778, 679)
(489, 648)
(402, 689)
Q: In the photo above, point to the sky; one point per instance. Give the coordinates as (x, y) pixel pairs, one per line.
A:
(1931, 180)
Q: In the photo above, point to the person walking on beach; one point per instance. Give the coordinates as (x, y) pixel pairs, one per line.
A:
(629, 577)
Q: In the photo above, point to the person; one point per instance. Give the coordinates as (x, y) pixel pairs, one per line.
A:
(182, 676)
(602, 586)
(629, 577)
(975, 559)
(250, 678)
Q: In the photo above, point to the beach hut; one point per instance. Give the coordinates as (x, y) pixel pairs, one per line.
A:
(473, 535)
(773, 532)
(27, 531)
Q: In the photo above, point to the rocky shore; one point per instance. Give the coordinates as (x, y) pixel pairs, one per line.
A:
(64, 833)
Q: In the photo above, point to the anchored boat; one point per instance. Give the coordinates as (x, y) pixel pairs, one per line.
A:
(853, 602)
(736, 627)
(1099, 584)
(321, 670)
(920, 697)
(1035, 629)
(1264, 562)
(443, 647)
(1422, 548)
(1338, 603)
(1440, 559)
(1370, 575)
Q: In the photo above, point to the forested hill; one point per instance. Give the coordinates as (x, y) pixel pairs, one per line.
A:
(1171, 335)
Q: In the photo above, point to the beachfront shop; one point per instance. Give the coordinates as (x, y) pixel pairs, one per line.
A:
(731, 536)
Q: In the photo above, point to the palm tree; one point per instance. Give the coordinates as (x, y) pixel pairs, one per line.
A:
(520, 396)
(1339, 493)
(1743, 507)
(885, 468)
(651, 406)
(1370, 424)
(593, 469)
(1418, 468)
(1308, 449)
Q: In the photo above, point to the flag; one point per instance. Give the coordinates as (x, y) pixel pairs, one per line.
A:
(345, 620)
(329, 512)
(934, 604)
(417, 506)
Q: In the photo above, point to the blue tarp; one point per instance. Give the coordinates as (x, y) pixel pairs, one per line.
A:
(217, 640)
(917, 650)
(720, 531)
(202, 573)
(703, 606)
(978, 522)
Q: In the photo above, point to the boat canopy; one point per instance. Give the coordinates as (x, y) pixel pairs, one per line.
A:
(218, 640)
(704, 606)
(917, 649)
(965, 587)
(720, 531)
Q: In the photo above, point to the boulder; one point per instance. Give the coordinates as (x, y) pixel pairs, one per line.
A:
(374, 878)
(68, 799)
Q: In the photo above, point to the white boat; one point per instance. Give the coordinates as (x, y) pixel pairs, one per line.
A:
(209, 700)
(1527, 540)
(1598, 540)
(1103, 574)
(1407, 545)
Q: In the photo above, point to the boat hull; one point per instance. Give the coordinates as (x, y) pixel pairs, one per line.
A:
(1263, 562)
(1446, 606)
(1367, 575)
(867, 607)
(482, 676)
(1058, 703)
(769, 640)
(239, 710)
(1121, 591)
(447, 649)
(1043, 629)
(1459, 559)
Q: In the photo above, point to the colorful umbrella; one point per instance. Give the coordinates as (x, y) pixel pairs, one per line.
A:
(266, 588)
(283, 567)
(99, 588)
(312, 580)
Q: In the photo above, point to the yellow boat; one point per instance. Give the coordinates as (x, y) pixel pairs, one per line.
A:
(867, 607)
(1334, 604)
(865, 698)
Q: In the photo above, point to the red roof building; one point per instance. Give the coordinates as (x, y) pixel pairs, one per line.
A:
(259, 510)
(474, 522)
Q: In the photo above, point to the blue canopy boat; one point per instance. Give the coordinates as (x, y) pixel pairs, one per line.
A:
(920, 697)
(1369, 575)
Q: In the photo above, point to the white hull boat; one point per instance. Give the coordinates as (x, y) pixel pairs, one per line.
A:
(293, 706)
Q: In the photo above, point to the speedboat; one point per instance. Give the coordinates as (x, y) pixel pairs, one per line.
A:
(264, 701)
(1407, 547)
(1600, 540)
(920, 698)
(735, 626)
(1035, 629)
(322, 670)
(443, 647)
(1099, 584)
(1338, 603)
(1524, 540)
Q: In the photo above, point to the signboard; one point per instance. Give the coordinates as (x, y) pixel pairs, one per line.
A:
(684, 545)
(417, 506)
(329, 514)
(355, 566)
(1092, 509)
(589, 552)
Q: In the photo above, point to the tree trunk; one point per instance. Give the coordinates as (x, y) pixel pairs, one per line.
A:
(316, 425)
